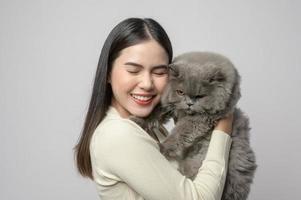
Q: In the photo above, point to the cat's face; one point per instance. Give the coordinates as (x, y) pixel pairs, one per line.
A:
(202, 83)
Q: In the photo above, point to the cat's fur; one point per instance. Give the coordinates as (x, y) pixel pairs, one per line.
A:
(204, 87)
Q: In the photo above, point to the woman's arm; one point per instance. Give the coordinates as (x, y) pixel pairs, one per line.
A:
(214, 167)
(211, 177)
(129, 154)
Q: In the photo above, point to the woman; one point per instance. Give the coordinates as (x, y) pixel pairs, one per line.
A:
(122, 159)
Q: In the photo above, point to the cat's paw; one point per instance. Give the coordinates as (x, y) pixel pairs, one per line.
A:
(171, 151)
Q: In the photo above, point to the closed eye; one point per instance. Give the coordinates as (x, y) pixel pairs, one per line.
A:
(133, 68)
(160, 71)
(133, 71)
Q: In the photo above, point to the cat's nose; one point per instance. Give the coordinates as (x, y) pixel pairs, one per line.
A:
(189, 104)
(189, 101)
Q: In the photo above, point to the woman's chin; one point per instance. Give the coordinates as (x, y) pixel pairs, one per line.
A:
(142, 112)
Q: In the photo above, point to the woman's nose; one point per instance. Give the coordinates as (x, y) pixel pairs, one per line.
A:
(146, 82)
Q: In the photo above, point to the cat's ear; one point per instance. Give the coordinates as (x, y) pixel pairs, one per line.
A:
(218, 76)
(235, 91)
(173, 70)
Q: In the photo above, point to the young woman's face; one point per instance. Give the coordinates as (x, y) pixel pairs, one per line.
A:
(138, 78)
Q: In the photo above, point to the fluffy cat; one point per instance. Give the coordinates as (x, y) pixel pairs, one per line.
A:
(204, 87)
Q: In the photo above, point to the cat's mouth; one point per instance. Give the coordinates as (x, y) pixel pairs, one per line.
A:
(189, 111)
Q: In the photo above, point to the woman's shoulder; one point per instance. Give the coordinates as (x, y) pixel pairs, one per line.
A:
(115, 130)
(115, 138)
(114, 123)
(115, 126)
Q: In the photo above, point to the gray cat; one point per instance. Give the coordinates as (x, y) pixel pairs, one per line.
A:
(203, 87)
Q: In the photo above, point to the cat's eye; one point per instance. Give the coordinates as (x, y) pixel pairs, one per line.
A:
(200, 96)
(180, 92)
(217, 78)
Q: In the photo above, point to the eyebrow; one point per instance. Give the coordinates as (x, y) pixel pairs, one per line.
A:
(138, 65)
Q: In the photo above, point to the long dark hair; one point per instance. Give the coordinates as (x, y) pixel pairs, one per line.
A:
(127, 33)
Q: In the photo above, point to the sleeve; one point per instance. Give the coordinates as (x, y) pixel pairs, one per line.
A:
(134, 157)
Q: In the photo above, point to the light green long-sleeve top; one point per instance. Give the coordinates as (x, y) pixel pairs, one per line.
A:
(128, 165)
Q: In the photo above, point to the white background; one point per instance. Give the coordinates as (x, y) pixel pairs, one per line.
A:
(48, 56)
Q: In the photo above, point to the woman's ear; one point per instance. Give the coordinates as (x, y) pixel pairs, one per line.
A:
(109, 78)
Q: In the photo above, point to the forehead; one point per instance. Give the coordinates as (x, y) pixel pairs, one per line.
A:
(147, 53)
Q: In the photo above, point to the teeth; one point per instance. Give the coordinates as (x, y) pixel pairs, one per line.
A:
(141, 98)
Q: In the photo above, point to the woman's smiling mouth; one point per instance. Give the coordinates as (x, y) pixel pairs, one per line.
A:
(143, 99)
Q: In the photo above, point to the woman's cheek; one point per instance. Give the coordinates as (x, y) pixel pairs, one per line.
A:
(163, 83)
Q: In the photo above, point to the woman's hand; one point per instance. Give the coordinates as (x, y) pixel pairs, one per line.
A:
(225, 124)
